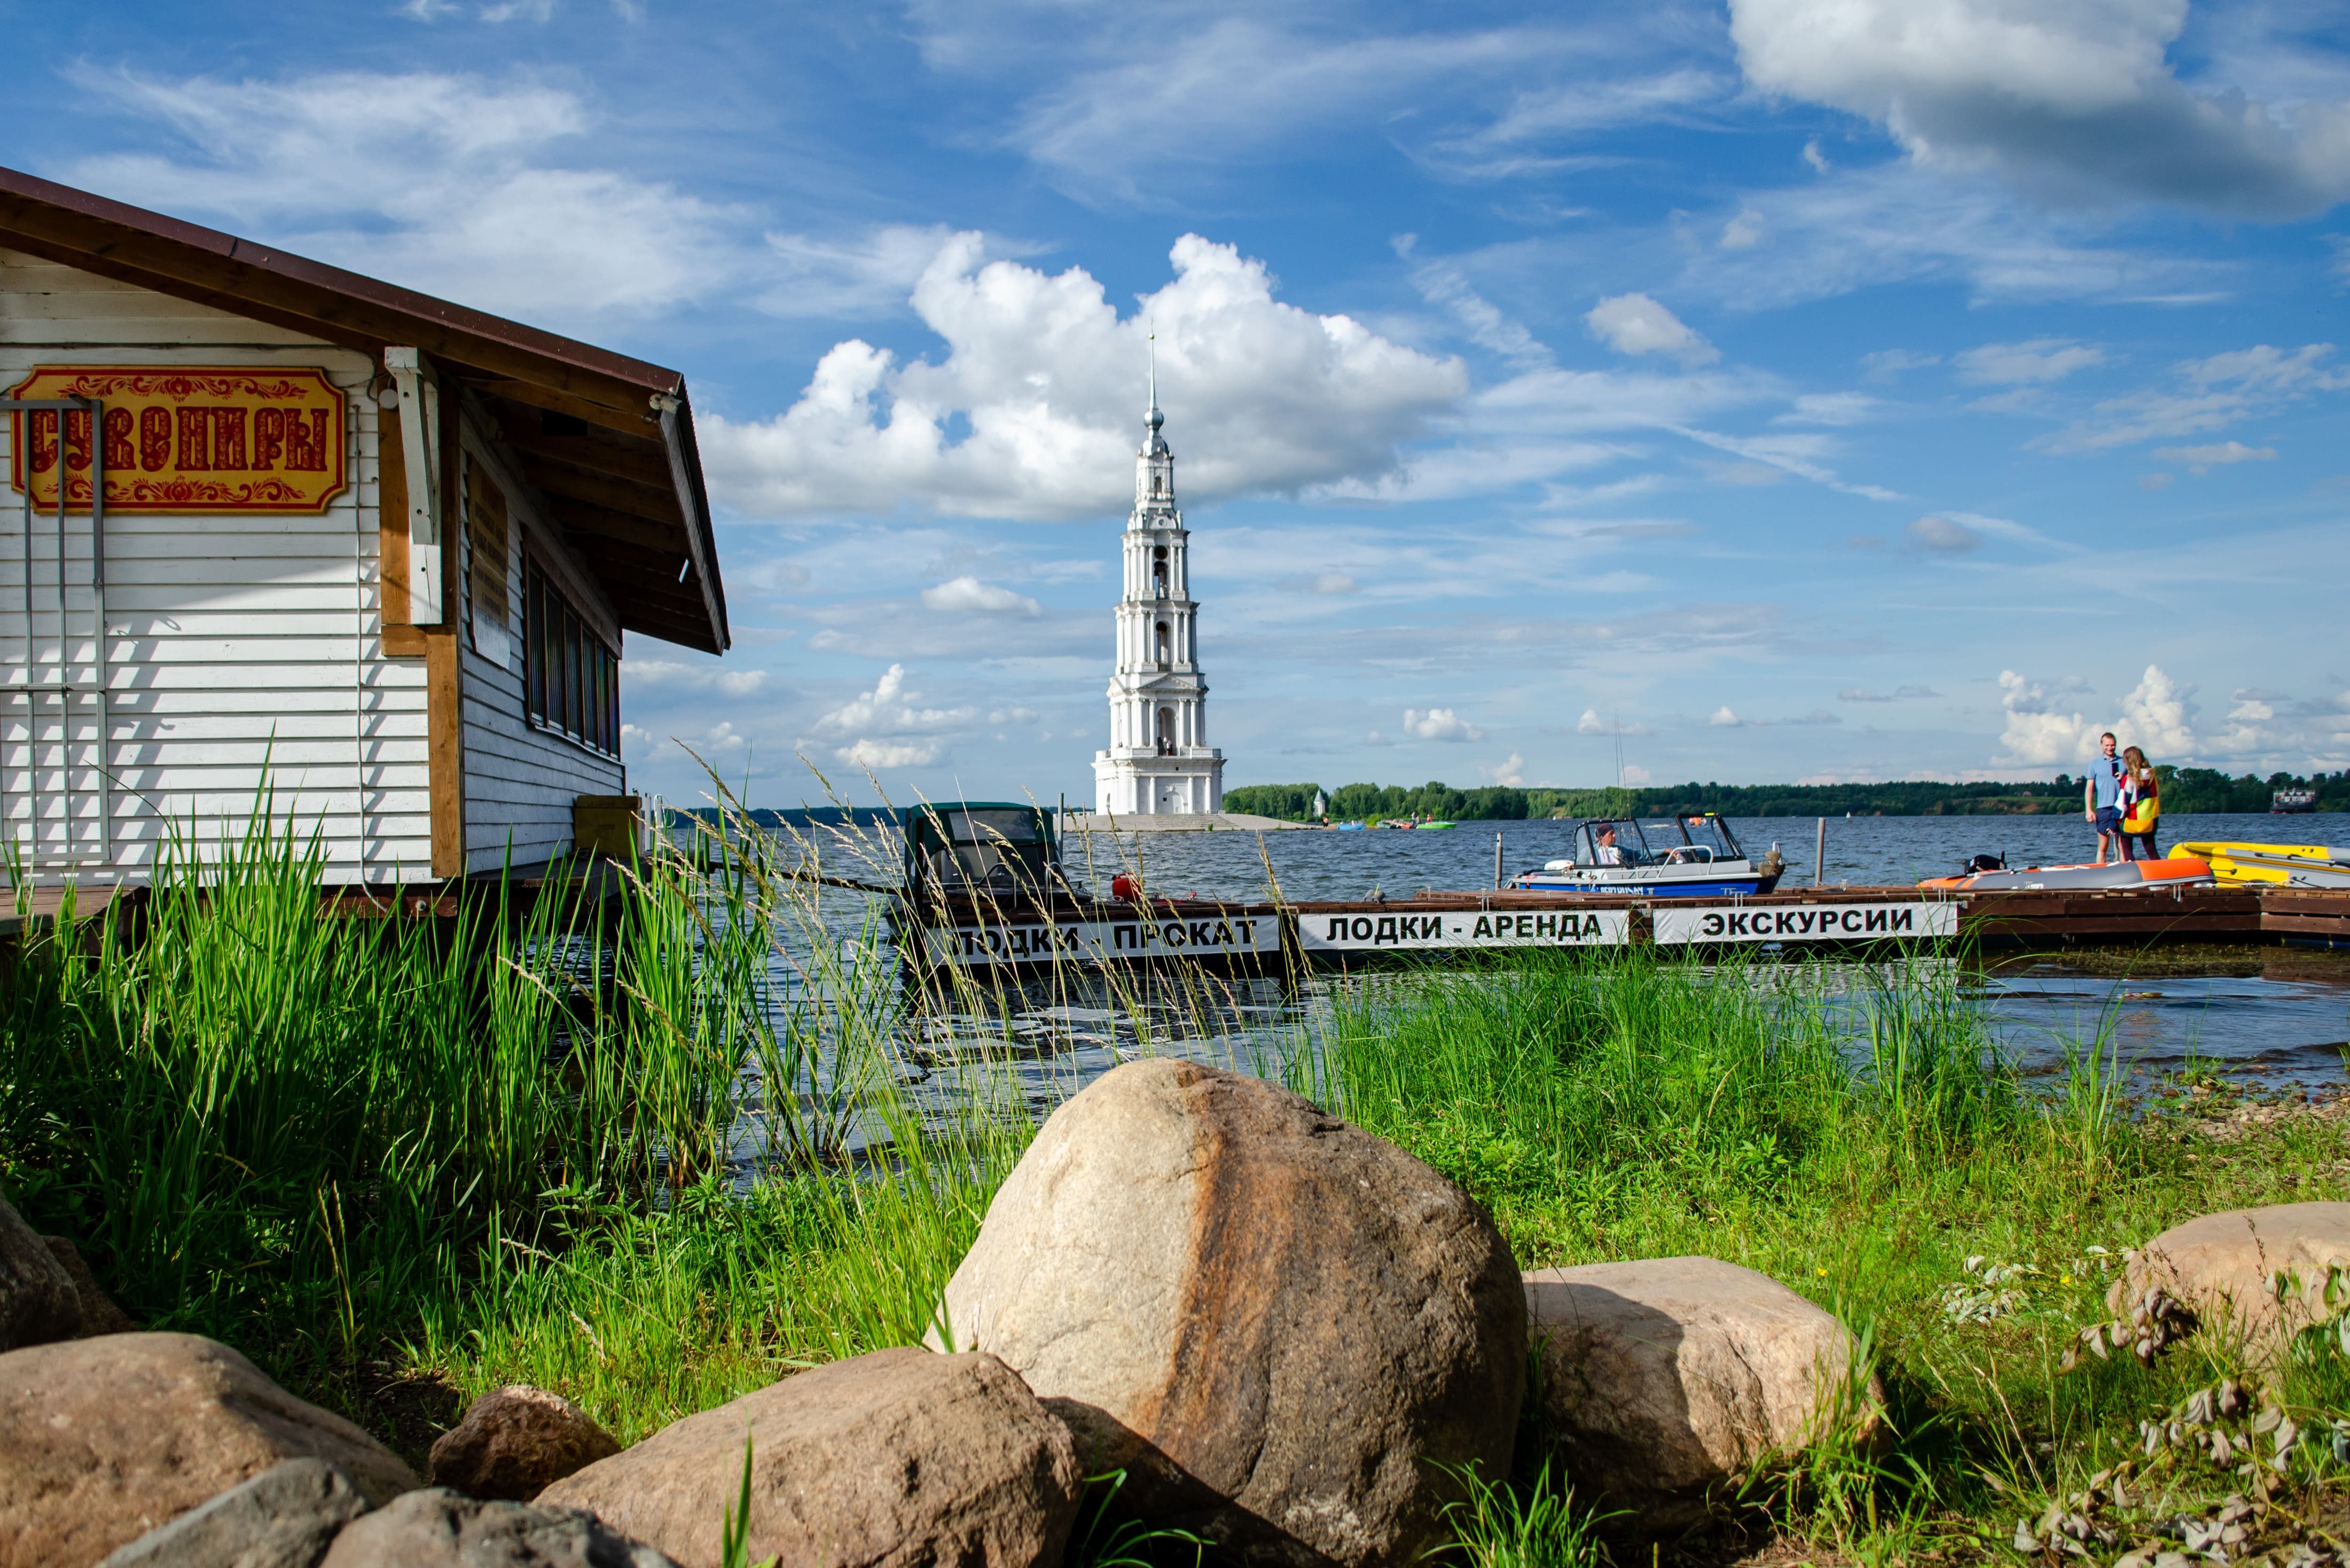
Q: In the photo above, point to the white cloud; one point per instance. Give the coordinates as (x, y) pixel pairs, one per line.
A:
(967, 595)
(1812, 156)
(1887, 363)
(889, 709)
(452, 184)
(2036, 734)
(1509, 773)
(2040, 361)
(665, 674)
(1636, 324)
(1591, 723)
(2225, 452)
(1048, 378)
(2155, 717)
(2074, 103)
(2205, 395)
(1723, 719)
(1744, 231)
(2153, 480)
(871, 273)
(1942, 536)
(1440, 724)
(1829, 409)
(878, 754)
(1635, 777)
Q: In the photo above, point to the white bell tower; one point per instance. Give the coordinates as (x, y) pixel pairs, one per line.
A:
(1159, 760)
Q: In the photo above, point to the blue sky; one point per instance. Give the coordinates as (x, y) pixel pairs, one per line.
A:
(1794, 389)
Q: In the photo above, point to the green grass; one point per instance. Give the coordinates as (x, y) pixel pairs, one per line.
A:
(382, 1155)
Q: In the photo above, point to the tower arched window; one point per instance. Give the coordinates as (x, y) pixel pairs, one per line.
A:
(1158, 571)
(1165, 644)
(1167, 731)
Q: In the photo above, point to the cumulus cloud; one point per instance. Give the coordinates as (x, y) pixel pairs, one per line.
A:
(1723, 719)
(878, 755)
(2155, 716)
(1636, 324)
(892, 728)
(1591, 723)
(1440, 724)
(1047, 377)
(2040, 360)
(2074, 103)
(1510, 773)
(1942, 536)
(967, 595)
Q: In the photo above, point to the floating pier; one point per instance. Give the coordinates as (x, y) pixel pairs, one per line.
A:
(1269, 938)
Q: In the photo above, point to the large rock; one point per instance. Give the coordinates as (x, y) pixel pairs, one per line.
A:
(99, 1313)
(1283, 1327)
(896, 1459)
(283, 1518)
(1664, 1379)
(517, 1441)
(439, 1529)
(103, 1439)
(37, 1302)
(2224, 1267)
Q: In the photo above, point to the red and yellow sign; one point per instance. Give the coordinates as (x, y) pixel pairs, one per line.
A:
(185, 438)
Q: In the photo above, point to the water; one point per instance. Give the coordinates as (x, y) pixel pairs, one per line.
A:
(2276, 1019)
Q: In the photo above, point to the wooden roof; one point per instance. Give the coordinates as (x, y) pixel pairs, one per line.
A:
(606, 439)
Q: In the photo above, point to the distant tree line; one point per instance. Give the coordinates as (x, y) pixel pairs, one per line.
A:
(2183, 790)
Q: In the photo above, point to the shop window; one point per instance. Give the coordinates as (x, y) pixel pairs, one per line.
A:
(571, 682)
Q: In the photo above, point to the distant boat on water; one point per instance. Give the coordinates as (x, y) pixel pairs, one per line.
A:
(2293, 801)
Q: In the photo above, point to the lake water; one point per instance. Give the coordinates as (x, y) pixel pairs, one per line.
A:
(2276, 1019)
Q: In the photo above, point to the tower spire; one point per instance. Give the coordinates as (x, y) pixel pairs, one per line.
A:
(1153, 418)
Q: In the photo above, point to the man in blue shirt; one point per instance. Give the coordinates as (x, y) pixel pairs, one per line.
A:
(2102, 798)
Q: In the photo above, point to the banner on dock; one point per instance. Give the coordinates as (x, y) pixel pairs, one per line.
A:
(1104, 941)
(1909, 921)
(1464, 928)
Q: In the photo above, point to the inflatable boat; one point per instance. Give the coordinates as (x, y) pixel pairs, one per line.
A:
(2178, 871)
(2275, 865)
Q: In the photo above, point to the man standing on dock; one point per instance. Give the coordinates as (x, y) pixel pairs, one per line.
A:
(2103, 797)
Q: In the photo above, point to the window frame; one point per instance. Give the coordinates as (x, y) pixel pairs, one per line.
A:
(571, 676)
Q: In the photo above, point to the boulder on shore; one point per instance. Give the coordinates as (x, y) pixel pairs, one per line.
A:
(103, 1439)
(1285, 1329)
(283, 1518)
(517, 1441)
(1663, 1381)
(2224, 1267)
(896, 1459)
(38, 1305)
(437, 1528)
(99, 1313)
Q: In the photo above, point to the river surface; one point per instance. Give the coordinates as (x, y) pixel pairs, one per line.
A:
(2273, 1019)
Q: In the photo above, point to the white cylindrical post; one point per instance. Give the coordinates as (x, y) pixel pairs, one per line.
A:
(1820, 857)
(1497, 861)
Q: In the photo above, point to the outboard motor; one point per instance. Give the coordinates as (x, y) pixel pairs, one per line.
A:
(1985, 863)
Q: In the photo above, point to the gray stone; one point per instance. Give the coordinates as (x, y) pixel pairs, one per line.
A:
(99, 1313)
(2226, 1266)
(283, 1518)
(37, 1302)
(896, 1459)
(514, 1442)
(1285, 1328)
(103, 1439)
(438, 1528)
(1664, 1380)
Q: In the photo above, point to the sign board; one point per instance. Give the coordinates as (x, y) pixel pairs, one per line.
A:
(1097, 941)
(1911, 920)
(185, 438)
(1464, 928)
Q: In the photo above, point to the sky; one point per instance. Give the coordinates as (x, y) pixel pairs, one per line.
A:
(1782, 391)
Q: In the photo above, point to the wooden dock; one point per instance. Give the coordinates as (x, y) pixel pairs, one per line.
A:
(1269, 938)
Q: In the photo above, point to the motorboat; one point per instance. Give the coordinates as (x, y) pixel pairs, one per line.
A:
(1674, 856)
(2275, 865)
(2176, 871)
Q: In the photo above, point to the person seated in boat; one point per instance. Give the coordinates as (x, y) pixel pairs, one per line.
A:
(1605, 853)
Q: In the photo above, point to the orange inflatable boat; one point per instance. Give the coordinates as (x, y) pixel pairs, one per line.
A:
(2178, 871)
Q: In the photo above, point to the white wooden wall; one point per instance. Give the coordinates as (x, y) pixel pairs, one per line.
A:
(230, 641)
(520, 780)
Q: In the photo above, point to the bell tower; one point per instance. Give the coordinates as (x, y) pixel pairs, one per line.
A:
(1159, 760)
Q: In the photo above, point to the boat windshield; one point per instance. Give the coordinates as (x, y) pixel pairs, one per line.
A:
(997, 849)
(1701, 839)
